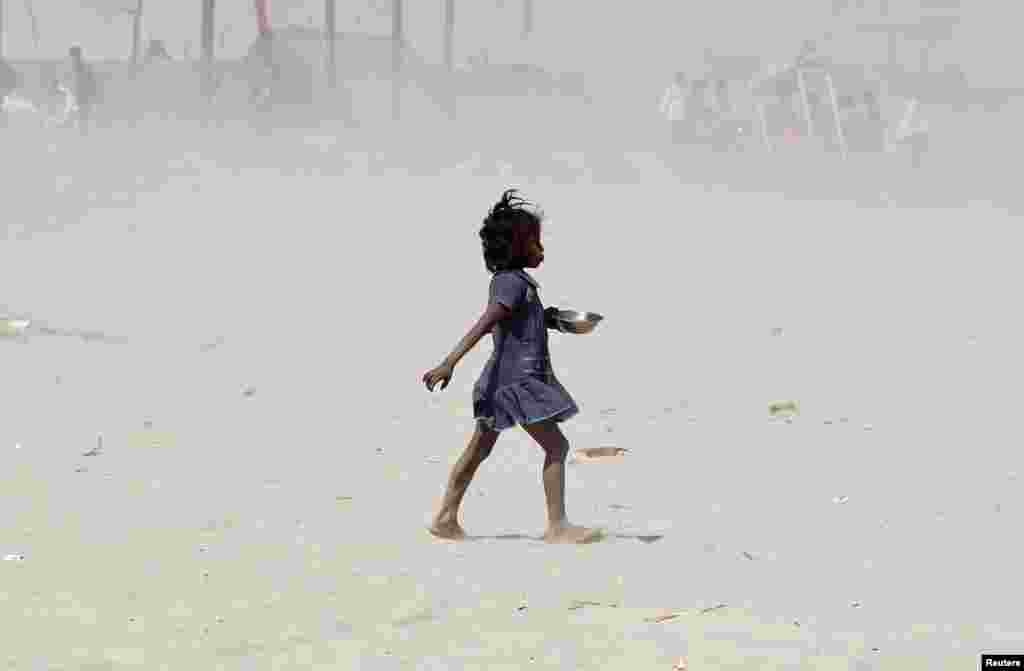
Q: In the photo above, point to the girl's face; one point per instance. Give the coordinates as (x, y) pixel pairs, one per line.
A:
(534, 251)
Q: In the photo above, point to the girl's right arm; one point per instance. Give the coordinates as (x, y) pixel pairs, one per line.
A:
(494, 313)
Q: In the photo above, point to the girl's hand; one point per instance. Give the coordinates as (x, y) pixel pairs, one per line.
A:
(442, 374)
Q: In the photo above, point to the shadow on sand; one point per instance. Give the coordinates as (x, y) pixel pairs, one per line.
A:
(606, 536)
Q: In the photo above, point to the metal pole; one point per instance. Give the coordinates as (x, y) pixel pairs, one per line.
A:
(836, 117)
(31, 11)
(449, 56)
(262, 17)
(396, 59)
(136, 30)
(330, 29)
(449, 34)
(527, 17)
(206, 46)
(805, 103)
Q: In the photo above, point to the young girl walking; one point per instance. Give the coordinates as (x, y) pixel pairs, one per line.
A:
(517, 386)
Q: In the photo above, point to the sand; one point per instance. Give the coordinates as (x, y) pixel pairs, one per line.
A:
(269, 459)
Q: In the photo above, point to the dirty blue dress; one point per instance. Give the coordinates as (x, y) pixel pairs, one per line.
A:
(518, 385)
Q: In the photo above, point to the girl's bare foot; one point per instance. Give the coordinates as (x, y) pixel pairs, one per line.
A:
(570, 533)
(448, 530)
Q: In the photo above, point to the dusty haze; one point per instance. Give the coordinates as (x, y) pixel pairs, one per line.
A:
(243, 310)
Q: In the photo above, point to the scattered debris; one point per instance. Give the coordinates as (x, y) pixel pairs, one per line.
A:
(604, 451)
(665, 617)
(148, 438)
(598, 453)
(415, 618)
(748, 555)
(577, 604)
(96, 451)
(783, 408)
(14, 328)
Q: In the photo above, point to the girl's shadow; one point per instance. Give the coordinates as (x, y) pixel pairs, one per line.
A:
(606, 536)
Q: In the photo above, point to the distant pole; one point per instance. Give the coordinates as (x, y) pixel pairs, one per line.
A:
(136, 30)
(449, 34)
(262, 17)
(31, 11)
(206, 47)
(330, 34)
(396, 59)
(449, 56)
(527, 17)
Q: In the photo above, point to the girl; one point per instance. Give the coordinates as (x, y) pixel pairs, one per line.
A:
(517, 386)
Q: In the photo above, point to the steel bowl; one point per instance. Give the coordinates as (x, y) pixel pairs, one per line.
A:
(573, 321)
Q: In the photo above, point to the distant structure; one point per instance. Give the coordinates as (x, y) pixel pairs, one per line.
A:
(157, 52)
(299, 63)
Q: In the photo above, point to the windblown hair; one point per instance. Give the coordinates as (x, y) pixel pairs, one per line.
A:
(506, 230)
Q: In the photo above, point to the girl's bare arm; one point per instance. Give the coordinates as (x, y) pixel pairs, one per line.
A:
(494, 313)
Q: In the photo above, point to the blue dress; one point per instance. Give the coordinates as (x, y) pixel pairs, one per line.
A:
(517, 385)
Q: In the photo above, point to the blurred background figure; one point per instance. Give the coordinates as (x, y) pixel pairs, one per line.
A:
(156, 52)
(264, 72)
(672, 105)
(10, 81)
(85, 89)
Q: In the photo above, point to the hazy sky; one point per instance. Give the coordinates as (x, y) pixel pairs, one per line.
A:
(636, 40)
(568, 30)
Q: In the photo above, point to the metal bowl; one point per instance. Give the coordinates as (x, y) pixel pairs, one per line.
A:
(573, 321)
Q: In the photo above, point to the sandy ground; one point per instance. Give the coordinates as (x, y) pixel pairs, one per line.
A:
(269, 458)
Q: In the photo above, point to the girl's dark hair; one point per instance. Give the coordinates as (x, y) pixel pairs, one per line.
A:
(507, 228)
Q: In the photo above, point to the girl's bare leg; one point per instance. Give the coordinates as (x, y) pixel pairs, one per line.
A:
(549, 436)
(446, 523)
